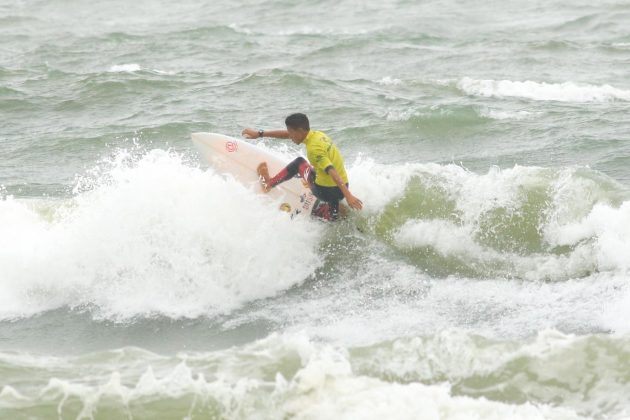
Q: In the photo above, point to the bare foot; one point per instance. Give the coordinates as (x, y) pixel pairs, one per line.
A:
(263, 176)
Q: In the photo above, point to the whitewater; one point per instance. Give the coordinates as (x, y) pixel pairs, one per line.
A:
(486, 277)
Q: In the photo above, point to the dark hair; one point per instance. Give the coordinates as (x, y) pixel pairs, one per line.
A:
(297, 120)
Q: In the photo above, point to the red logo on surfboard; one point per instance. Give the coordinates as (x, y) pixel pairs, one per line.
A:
(231, 146)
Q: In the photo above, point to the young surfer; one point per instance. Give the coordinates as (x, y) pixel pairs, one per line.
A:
(327, 176)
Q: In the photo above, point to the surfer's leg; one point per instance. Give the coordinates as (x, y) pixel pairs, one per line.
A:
(332, 196)
(343, 211)
(299, 167)
(334, 209)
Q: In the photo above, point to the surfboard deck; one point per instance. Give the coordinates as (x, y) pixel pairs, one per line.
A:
(240, 159)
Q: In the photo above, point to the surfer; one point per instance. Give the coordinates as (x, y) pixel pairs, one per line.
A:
(326, 175)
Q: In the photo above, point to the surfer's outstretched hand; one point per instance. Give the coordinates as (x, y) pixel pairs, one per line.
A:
(249, 133)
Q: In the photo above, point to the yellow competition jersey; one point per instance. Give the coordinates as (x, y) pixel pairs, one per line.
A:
(322, 153)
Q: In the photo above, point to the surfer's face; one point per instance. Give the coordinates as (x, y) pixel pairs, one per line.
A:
(297, 135)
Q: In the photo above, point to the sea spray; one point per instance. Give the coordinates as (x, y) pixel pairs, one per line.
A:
(153, 236)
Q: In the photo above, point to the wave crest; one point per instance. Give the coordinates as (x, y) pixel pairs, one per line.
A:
(150, 236)
(524, 222)
(541, 91)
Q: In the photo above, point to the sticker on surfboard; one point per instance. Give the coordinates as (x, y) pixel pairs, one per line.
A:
(231, 146)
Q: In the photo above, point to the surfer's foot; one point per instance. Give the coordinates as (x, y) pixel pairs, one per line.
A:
(263, 175)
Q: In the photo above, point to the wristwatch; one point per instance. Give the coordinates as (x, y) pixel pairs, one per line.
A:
(261, 133)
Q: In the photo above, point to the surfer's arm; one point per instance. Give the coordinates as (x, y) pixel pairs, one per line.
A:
(353, 202)
(250, 133)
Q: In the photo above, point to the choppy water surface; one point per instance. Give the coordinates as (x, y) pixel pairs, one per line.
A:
(486, 277)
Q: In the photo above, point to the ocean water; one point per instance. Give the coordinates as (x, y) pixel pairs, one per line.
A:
(487, 276)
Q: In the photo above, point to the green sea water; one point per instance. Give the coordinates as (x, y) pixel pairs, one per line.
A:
(486, 277)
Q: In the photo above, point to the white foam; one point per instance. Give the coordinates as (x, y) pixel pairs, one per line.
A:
(504, 115)
(378, 184)
(8, 393)
(456, 354)
(405, 115)
(131, 68)
(124, 68)
(444, 236)
(389, 81)
(303, 30)
(543, 368)
(163, 72)
(541, 91)
(319, 30)
(616, 313)
(581, 216)
(610, 228)
(282, 376)
(156, 236)
(153, 236)
(332, 391)
(239, 28)
(577, 215)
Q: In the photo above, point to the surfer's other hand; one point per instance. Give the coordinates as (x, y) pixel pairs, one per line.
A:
(250, 133)
(354, 202)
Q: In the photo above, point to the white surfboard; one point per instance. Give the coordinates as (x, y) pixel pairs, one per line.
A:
(241, 159)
